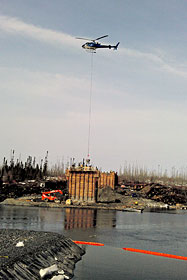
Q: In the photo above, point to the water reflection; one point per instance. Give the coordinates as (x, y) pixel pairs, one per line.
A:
(162, 210)
(88, 218)
(55, 219)
(106, 218)
(80, 218)
(42, 219)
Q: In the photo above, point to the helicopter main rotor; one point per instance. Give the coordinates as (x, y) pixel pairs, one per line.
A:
(93, 40)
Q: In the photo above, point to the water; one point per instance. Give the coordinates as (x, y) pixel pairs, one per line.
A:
(160, 232)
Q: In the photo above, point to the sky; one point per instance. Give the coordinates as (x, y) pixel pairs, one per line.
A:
(138, 108)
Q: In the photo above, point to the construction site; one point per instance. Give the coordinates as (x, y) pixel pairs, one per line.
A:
(83, 185)
(84, 181)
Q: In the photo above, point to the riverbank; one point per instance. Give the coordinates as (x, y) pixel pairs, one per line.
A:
(132, 196)
(37, 255)
(128, 204)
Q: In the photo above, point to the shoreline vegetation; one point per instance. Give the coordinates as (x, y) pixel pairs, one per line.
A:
(137, 187)
(16, 169)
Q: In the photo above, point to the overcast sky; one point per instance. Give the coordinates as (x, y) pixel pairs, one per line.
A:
(139, 102)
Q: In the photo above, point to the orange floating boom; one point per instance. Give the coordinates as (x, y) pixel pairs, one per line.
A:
(156, 254)
(88, 243)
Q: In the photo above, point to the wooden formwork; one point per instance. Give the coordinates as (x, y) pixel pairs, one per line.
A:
(84, 183)
(107, 179)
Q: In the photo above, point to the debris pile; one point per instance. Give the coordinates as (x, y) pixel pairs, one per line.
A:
(166, 194)
(170, 195)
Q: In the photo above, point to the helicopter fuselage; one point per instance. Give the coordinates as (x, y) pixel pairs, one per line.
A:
(94, 46)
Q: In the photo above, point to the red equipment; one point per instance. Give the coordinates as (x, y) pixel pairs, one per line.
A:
(52, 195)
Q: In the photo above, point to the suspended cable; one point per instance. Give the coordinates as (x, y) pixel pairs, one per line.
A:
(90, 106)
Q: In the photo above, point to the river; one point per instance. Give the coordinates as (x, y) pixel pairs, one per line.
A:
(164, 231)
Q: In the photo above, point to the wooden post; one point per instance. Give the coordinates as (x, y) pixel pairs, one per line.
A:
(82, 187)
(86, 186)
(90, 189)
(73, 185)
(78, 178)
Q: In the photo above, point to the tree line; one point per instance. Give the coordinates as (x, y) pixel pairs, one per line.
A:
(18, 171)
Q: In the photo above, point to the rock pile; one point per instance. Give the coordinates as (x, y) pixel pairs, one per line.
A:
(41, 255)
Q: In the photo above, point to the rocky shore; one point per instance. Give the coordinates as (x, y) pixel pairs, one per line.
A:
(37, 255)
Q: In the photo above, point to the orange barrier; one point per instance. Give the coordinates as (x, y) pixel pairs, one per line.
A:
(155, 253)
(88, 243)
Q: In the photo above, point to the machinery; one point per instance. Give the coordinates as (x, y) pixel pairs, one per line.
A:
(53, 196)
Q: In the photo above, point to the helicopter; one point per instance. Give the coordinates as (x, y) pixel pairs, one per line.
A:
(93, 45)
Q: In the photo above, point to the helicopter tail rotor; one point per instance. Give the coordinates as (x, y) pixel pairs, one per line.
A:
(116, 46)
